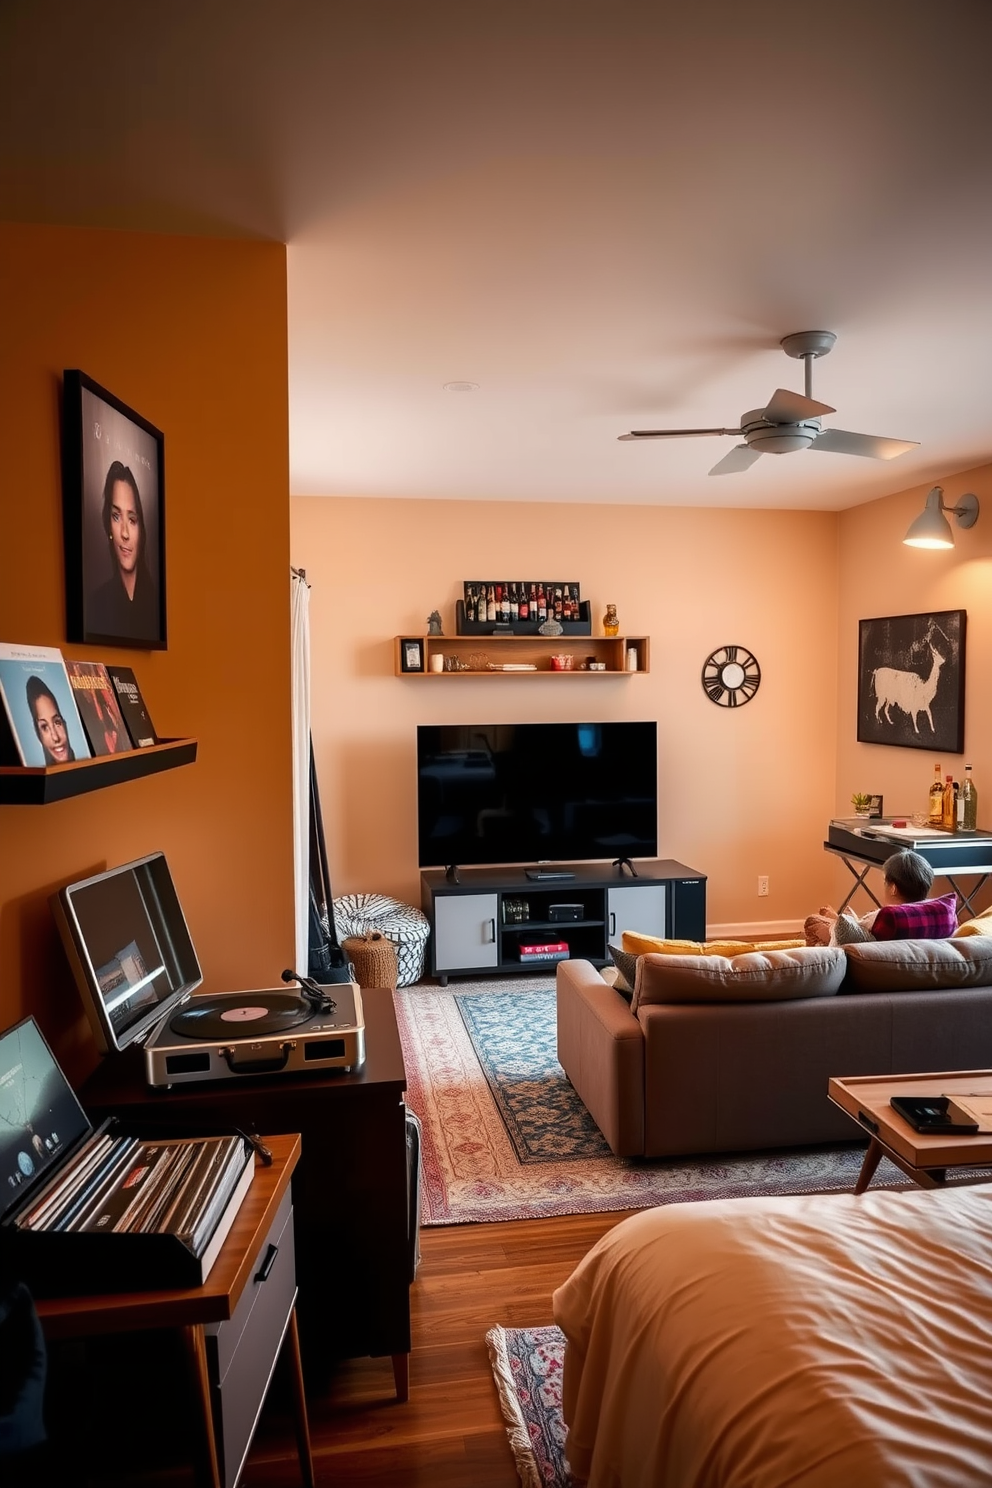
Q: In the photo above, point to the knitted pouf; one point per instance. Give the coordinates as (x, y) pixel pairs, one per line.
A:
(373, 957)
(406, 927)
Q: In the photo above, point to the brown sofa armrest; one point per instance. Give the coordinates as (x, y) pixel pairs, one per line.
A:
(601, 1050)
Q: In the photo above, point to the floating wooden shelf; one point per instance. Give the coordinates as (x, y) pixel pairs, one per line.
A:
(22, 785)
(536, 650)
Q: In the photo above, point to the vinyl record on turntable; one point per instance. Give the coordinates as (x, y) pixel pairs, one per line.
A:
(224, 1017)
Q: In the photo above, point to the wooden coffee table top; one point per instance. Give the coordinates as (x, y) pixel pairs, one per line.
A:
(866, 1098)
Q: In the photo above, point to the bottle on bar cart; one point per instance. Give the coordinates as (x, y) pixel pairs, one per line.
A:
(936, 814)
(950, 817)
(968, 803)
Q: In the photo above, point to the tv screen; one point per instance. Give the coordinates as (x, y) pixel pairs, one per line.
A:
(127, 941)
(536, 792)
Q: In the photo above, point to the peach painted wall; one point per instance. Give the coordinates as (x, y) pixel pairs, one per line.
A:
(742, 792)
(192, 334)
(879, 575)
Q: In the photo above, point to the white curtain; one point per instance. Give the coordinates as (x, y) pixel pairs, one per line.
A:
(300, 644)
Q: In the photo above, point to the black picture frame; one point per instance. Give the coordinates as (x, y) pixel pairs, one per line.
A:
(412, 654)
(113, 484)
(911, 681)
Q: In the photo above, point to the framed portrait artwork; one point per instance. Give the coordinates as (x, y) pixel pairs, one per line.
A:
(113, 519)
(412, 655)
(911, 681)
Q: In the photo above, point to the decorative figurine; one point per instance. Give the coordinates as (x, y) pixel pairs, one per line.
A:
(434, 623)
(611, 625)
(550, 628)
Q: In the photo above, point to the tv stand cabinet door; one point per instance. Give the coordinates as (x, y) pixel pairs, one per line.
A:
(639, 907)
(465, 935)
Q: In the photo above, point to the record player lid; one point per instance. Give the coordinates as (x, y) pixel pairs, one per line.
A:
(129, 946)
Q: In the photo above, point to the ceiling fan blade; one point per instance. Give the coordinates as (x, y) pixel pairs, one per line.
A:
(740, 458)
(791, 408)
(673, 433)
(872, 446)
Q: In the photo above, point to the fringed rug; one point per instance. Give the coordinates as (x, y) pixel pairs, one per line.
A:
(506, 1137)
(527, 1365)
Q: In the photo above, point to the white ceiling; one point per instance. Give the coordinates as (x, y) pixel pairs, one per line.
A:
(606, 213)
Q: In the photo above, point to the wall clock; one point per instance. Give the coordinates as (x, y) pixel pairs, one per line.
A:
(731, 676)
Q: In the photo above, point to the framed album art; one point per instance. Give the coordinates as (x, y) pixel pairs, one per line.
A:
(113, 519)
(911, 681)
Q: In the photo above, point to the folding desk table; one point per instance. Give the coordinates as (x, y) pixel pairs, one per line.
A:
(863, 844)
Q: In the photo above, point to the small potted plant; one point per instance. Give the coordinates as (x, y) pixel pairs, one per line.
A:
(861, 804)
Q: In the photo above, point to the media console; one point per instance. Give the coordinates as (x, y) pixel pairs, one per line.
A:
(480, 921)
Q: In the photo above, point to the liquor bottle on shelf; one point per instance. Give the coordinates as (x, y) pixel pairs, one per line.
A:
(936, 813)
(524, 603)
(532, 602)
(491, 604)
(968, 803)
(949, 818)
(470, 610)
(542, 605)
(514, 603)
(557, 603)
(505, 604)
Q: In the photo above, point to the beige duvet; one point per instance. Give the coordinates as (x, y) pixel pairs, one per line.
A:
(824, 1342)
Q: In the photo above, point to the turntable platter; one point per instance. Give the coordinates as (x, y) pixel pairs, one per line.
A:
(230, 1017)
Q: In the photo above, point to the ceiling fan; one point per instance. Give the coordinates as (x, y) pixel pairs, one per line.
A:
(790, 421)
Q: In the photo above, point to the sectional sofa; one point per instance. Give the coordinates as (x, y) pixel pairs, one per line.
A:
(723, 1054)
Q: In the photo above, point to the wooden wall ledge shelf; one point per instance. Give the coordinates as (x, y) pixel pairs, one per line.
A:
(22, 785)
(537, 650)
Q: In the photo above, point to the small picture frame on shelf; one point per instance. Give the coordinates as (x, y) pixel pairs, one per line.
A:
(412, 655)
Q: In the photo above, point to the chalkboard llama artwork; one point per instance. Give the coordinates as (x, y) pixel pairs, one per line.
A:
(911, 681)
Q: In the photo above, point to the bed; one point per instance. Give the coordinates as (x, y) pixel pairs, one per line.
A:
(829, 1342)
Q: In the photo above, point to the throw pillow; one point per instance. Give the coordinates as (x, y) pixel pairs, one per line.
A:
(759, 976)
(626, 965)
(849, 932)
(919, 965)
(643, 945)
(931, 919)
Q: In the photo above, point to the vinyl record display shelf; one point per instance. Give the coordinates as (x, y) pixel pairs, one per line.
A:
(22, 785)
(514, 650)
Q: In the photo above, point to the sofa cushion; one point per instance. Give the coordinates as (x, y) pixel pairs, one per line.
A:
(642, 945)
(928, 918)
(980, 925)
(919, 965)
(626, 967)
(757, 976)
(847, 931)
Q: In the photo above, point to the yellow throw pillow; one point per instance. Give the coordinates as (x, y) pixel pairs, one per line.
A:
(980, 924)
(643, 945)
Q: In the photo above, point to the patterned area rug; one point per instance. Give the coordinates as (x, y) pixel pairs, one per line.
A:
(527, 1365)
(512, 1140)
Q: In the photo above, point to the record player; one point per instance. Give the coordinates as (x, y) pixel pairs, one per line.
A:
(130, 949)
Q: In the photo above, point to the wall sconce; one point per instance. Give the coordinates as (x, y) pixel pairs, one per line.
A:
(932, 529)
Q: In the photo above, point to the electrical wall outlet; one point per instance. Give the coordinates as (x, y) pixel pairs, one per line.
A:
(762, 885)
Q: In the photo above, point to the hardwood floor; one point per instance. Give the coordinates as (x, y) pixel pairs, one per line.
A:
(450, 1433)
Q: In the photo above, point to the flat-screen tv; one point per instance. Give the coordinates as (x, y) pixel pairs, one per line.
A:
(536, 792)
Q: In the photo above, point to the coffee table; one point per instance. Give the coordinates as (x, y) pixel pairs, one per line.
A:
(925, 1159)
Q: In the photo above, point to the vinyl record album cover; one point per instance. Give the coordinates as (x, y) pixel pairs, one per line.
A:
(41, 723)
(139, 724)
(98, 707)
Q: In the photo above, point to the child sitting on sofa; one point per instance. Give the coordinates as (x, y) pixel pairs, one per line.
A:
(908, 880)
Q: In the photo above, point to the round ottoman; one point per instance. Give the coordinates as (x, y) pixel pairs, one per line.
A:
(406, 927)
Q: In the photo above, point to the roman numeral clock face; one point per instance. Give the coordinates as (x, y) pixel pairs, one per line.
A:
(731, 676)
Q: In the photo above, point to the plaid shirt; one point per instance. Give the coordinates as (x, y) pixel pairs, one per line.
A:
(931, 919)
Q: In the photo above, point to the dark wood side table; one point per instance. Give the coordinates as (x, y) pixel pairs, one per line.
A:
(228, 1360)
(349, 1191)
(925, 1159)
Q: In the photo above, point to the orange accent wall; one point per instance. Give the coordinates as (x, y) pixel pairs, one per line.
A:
(192, 334)
(743, 792)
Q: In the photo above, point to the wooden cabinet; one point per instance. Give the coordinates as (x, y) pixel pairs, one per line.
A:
(505, 655)
(481, 918)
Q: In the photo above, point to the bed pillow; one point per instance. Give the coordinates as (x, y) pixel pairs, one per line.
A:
(919, 965)
(930, 919)
(758, 976)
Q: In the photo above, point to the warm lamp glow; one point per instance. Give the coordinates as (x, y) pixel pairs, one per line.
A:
(932, 529)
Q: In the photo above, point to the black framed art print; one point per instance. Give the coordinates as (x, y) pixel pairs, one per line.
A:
(911, 681)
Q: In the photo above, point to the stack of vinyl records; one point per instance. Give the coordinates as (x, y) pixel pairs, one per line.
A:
(129, 1213)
